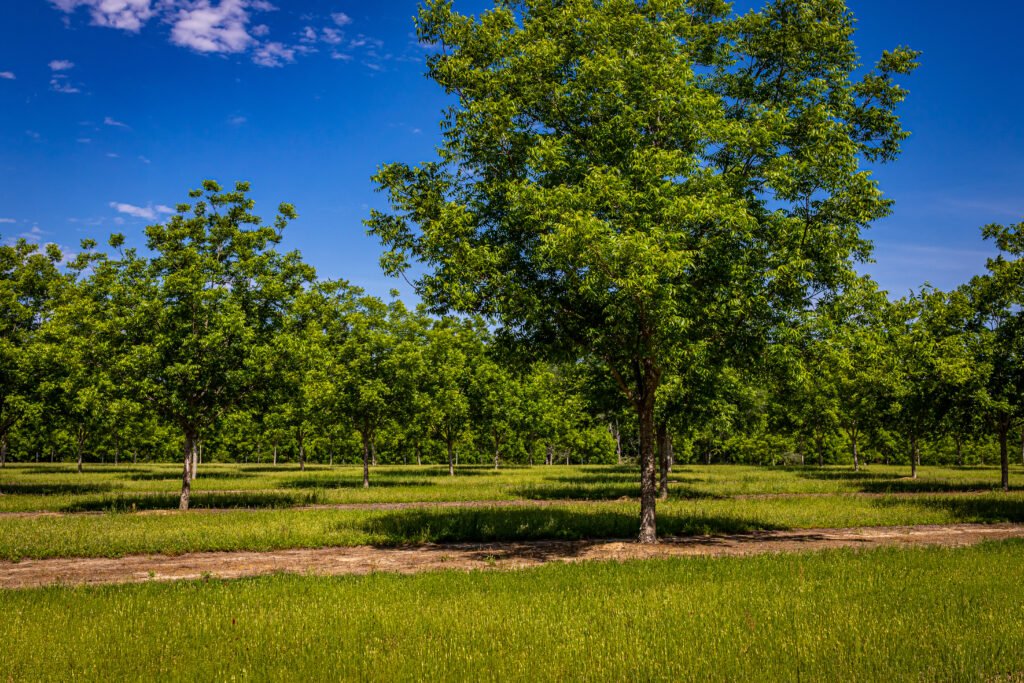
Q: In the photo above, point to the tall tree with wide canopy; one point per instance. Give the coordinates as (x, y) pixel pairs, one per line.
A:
(29, 282)
(627, 178)
(996, 322)
(201, 312)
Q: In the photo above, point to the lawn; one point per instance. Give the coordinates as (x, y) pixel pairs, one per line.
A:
(914, 615)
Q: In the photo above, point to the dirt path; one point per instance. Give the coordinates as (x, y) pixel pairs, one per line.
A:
(465, 557)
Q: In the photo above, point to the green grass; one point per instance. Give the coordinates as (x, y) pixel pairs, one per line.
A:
(111, 535)
(44, 487)
(895, 615)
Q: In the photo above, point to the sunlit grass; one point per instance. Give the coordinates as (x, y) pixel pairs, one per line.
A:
(892, 615)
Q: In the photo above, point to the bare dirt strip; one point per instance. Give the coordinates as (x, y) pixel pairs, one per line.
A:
(511, 503)
(476, 556)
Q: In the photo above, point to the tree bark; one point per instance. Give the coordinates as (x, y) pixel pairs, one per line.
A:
(373, 451)
(497, 450)
(959, 450)
(419, 454)
(275, 455)
(1004, 453)
(915, 457)
(3, 451)
(79, 447)
(301, 438)
(648, 478)
(549, 456)
(186, 474)
(856, 456)
(366, 460)
(662, 436)
(451, 459)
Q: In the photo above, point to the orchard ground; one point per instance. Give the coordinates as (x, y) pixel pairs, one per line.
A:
(903, 613)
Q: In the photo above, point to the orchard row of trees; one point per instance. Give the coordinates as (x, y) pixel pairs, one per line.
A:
(660, 196)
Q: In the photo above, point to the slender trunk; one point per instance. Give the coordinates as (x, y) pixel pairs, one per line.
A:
(617, 435)
(915, 457)
(117, 454)
(3, 451)
(194, 474)
(568, 452)
(662, 437)
(275, 455)
(1004, 453)
(648, 478)
(671, 453)
(451, 461)
(707, 456)
(1022, 445)
(419, 454)
(301, 438)
(366, 460)
(550, 455)
(186, 474)
(79, 447)
(959, 450)
(51, 454)
(373, 451)
(497, 450)
(856, 456)
(820, 442)
(135, 457)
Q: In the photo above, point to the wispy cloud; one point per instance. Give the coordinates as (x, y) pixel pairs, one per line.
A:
(341, 19)
(59, 81)
(145, 160)
(33, 235)
(7, 75)
(8, 220)
(108, 121)
(274, 55)
(149, 212)
(238, 120)
(127, 15)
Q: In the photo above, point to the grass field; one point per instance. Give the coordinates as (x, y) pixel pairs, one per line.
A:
(914, 615)
(259, 505)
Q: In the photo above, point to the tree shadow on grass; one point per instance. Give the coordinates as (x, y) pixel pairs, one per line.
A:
(584, 490)
(176, 476)
(375, 482)
(519, 524)
(199, 500)
(56, 489)
(977, 510)
(908, 485)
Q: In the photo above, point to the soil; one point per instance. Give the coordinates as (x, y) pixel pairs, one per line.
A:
(477, 556)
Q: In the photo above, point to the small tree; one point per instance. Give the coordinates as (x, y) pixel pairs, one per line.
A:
(200, 314)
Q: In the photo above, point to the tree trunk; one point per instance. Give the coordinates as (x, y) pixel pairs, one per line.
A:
(617, 435)
(915, 457)
(275, 455)
(550, 454)
(497, 451)
(186, 474)
(648, 478)
(662, 437)
(135, 457)
(193, 475)
(451, 460)
(301, 438)
(3, 451)
(671, 453)
(856, 456)
(959, 450)
(1004, 453)
(366, 460)
(373, 451)
(79, 447)
(419, 454)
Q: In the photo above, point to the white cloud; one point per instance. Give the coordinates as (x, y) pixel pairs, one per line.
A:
(84, 141)
(145, 160)
(33, 235)
(62, 85)
(147, 212)
(212, 28)
(237, 120)
(274, 54)
(260, 30)
(127, 15)
(341, 19)
(331, 36)
(308, 35)
(7, 75)
(108, 121)
(61, 65)
(111, 155)
(33, 134)
(7, 220)
(160, 208)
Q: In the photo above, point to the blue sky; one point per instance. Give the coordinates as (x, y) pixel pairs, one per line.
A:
(110, 110)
